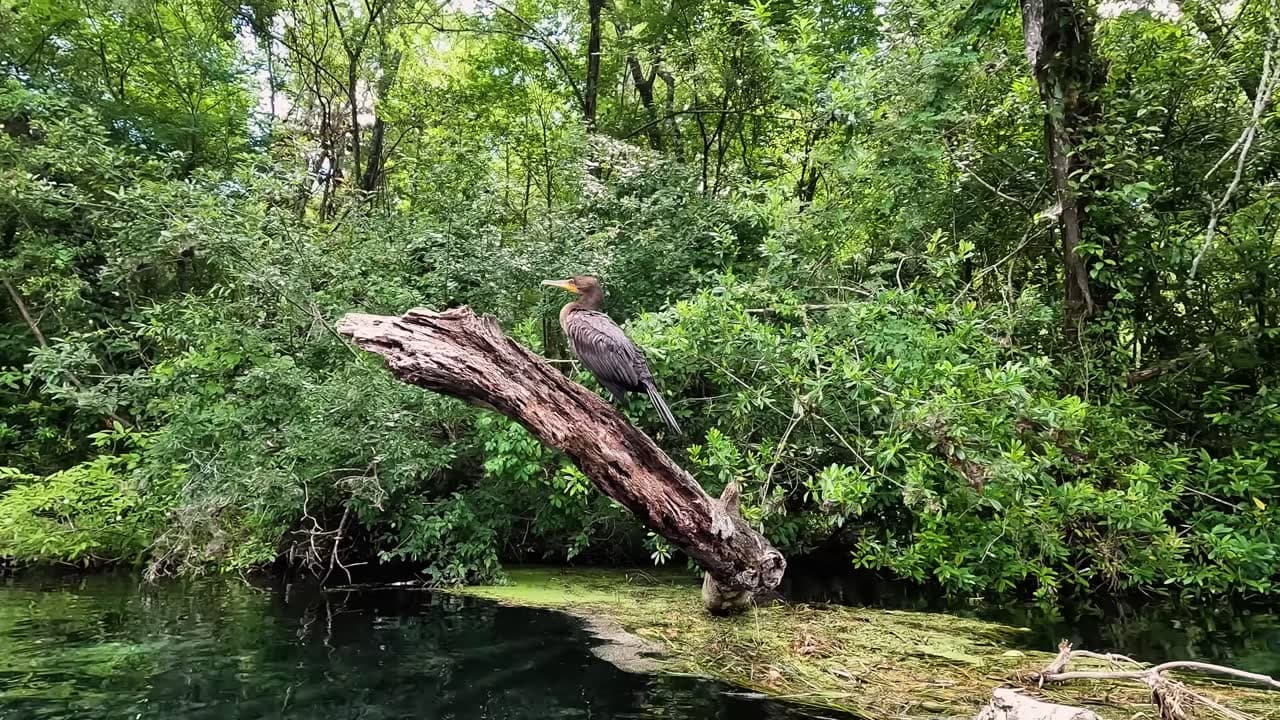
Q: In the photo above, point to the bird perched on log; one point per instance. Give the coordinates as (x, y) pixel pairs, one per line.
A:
(601, 345)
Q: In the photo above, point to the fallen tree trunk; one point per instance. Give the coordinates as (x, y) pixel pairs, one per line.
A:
(458, 354)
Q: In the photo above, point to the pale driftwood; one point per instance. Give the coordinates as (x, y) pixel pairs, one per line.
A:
(1171, 696)
(458, 354)
(1009, 704)
(716, 598)
(1056, 670)
(1199, 667)
(1059, 662)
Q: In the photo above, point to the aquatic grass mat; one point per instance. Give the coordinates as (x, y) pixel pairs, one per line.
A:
(870, 662)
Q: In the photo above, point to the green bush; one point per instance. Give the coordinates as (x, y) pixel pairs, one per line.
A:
(832, 230)
(94, 513)
(918, 434)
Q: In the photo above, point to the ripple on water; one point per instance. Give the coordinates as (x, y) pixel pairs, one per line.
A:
(107, 647)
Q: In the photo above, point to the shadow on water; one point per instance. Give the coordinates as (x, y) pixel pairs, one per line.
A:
(102, 647)
(1152, 630)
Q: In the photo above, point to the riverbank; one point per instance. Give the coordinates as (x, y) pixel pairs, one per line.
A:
(870, 662)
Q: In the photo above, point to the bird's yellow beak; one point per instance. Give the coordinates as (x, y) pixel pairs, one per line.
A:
(562, 284)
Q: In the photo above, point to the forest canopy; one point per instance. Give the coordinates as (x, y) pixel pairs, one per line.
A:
(980, 295)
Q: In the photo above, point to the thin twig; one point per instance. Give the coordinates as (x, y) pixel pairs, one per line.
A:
(44, 344)
(26, 314)
(1109, 657)
(1266, 85)
(337, 541)
(797, 415)
(803, 308)
(1264, 680)
(1224, 710)
(965, 169)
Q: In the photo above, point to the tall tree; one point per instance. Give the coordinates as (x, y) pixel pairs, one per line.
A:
(591, 93)
(1059, 47)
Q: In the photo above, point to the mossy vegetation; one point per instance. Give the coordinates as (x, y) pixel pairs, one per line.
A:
(871, 662)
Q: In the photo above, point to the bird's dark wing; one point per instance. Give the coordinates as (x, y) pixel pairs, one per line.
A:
(606, 351)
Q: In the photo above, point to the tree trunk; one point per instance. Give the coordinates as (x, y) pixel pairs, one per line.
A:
(377, 161)
(644, 88)
(373, 170)
(353, 101)
(677, 142)
(1058, 36)
(461, 355)
(807, 184)
(592, 87)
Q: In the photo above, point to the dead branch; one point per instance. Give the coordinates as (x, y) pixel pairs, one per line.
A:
(1137, 377)
(1270, 78)
(1264, 680)
(1059, 662)
(1172, 697)
(458, 354)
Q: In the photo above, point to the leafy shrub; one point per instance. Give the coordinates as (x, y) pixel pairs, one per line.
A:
(838, 232)
(909, 429)
(99, 511)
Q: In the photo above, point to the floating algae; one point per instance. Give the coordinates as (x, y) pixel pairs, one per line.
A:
(871, 662)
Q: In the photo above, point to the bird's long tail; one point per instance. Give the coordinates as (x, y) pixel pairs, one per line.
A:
(661, 406)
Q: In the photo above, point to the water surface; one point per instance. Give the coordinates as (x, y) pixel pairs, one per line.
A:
(109, 647)
(1242, 635)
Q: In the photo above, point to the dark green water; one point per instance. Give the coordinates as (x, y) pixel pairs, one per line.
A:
(108, 647)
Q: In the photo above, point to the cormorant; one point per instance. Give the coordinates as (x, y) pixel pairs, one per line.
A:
(602, 346)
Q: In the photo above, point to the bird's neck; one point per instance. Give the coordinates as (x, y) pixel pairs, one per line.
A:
(590, 300)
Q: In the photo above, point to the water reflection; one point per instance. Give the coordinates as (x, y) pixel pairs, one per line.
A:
(107, 647)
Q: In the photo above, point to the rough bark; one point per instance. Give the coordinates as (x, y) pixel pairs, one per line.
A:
(1009, 704)
(592, 85)
(461, 355)
(1059, 47)
(716, 598)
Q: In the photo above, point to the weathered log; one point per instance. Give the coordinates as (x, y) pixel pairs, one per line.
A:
(1009, 704)
(458, 354)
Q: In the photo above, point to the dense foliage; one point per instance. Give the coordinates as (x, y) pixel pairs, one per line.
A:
(979, 308)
